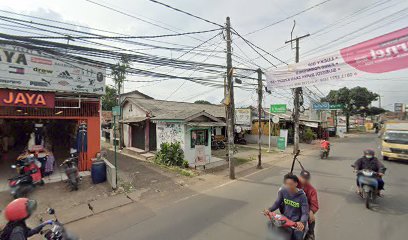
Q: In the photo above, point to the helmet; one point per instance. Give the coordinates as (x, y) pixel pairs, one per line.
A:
(369, 152)
(19, 209)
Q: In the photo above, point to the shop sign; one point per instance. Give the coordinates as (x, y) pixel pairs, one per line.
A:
(26, 98)
(31, 69)
(336, 106)
(278, 108)
(243, 116)
(116, 111)
(386, 53)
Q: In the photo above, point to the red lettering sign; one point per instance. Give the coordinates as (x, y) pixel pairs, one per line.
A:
(26, 98)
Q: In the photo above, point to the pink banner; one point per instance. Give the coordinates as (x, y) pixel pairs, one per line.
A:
(382, 54)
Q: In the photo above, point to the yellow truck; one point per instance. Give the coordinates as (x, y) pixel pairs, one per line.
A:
(394, 140)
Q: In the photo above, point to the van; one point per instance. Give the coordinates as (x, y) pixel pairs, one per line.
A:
(394, 141)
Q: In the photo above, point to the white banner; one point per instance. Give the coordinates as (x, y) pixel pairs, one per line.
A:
(383, 54)
(243, 116)
(22, 68)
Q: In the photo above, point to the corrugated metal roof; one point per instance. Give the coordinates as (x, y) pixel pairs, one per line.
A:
(161, 109)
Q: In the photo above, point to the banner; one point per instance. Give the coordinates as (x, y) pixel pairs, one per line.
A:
(383, 54)
(243, 116)
(23, 68)
(16, 98)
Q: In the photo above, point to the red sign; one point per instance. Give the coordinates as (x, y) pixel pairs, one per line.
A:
(17, 98)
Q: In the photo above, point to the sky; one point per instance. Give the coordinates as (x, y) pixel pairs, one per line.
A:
(333, 24)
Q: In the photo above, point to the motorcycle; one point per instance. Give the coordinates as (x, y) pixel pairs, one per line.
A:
(29, 175)
(324, 153)
(282, 223)
(239, 140)
(57, 230)
(368, 185)
(71, 170)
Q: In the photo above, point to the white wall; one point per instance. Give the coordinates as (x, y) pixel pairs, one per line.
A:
(170, 132)
(131, 110)
(127, 135)
(190, 152)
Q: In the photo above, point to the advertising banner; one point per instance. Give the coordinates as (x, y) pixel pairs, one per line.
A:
(243, 116)
(321, 106)
(383, 54)
(23, 68)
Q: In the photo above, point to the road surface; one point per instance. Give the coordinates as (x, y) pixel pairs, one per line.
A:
(232, 210)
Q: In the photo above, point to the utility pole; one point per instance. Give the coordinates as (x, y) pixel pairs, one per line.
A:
(259, 71)
(296, 102)
(379, 101)
(230, 104)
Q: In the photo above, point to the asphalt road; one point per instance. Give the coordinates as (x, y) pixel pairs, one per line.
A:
(232, 210)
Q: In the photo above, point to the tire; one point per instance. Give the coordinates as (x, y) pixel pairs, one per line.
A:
(321, 155)
(222, 145)
(367, 202)
(73, 182)
(385, 158)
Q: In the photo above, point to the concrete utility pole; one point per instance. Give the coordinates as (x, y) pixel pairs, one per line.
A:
(259, 71)
(296, 101)
(230, 105)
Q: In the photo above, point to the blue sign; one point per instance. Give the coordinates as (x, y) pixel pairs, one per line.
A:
(321, 106)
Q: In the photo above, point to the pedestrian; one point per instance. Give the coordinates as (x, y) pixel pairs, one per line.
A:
(311, 194)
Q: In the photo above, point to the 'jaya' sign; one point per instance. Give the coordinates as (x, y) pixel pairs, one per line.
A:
(26, 99)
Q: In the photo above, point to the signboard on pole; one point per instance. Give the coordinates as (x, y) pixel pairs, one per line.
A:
(243, 116)
(383, 54)
(278, 108)
(399, 107)
(336, 106)
(281, 143)
(321, 106)
(30, 69)
(116, 111)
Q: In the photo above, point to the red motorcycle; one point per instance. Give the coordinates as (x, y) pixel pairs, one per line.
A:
(280, 224)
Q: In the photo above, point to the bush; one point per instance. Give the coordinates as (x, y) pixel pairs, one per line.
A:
(309, 135)
(170, 154)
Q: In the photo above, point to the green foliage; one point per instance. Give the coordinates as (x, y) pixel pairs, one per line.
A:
(118, 72)
(109, 99)
(355, 100)
(372, 111)
(170, 154)
(309, 135)
(202, 102)
(186, 164)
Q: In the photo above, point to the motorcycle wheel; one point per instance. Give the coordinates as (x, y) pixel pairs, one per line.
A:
(321, 155)
(222, 146)
(73, 182)
(367, 202)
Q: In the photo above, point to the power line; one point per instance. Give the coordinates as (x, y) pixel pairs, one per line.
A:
(187, 13)
(289, 17)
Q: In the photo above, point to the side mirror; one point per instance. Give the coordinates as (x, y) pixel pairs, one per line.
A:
(51, 211)
(353, 166)
(13, 166)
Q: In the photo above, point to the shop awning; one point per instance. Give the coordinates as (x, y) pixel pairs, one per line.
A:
(206, 124)
(312, 124)
(133, 120)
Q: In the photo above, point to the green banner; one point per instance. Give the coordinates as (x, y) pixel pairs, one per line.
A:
(278, 108)
(281, 143)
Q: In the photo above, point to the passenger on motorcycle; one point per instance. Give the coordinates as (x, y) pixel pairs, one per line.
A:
(311, 194)
(293, 204)
(16, 214)
(369, 161)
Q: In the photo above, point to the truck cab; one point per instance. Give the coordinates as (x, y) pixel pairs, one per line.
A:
(394, 141)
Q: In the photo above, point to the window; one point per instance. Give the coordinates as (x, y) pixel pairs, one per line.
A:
(199, 137)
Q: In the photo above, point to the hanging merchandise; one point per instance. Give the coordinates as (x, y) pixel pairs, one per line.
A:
(82, 143)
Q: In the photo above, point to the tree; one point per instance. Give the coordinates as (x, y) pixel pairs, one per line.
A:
(202, 102)
(372, 111)
(109, 99)
(355, 101)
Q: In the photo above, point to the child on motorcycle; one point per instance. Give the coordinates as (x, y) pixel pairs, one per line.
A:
(16, 214)
(293, 203)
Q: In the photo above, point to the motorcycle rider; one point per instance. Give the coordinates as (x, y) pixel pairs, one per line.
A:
(325, 144)
(311, 194)
(16, 214)
(295, 206)
(369, 161)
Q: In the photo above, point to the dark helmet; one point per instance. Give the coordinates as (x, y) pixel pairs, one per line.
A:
(19, 209)
(369, 152)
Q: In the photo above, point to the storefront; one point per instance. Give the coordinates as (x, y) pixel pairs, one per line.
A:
(49, 101)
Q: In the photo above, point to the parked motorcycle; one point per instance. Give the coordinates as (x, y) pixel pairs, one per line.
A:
(239, 140)
(71, 170)
(368, 185)
(57, 230)
(280, 225)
